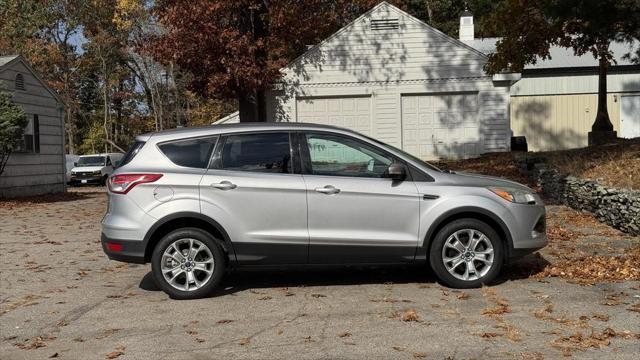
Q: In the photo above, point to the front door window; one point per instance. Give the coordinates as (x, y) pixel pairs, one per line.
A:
(332, 155)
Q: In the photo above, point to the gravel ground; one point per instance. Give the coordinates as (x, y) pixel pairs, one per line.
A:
(60, 297)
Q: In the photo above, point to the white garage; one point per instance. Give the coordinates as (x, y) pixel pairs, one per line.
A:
(392, 77)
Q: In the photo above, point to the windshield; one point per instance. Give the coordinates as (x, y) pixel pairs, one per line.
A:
(91, 161)
(406, 154)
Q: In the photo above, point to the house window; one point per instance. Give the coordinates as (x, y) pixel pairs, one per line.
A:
(19, 84)
(31, 140)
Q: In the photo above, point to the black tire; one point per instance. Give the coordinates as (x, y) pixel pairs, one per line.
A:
(103, 181)
(436, 254)
(219, 267)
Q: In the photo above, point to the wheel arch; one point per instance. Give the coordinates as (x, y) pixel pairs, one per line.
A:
(471, 212)
(186, 219)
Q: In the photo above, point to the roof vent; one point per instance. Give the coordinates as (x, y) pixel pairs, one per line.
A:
(19, 82)
(384, 24)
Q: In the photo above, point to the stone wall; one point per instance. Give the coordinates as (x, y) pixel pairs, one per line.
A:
(619, 208)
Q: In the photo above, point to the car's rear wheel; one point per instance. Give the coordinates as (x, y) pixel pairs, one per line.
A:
(188, 263)
(466, 253)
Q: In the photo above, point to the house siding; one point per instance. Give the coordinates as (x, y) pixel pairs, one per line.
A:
(559, 122)
(29, 174)
(556, 112)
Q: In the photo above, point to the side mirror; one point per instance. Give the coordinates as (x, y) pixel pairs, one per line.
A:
(397, 172)
(75, 163)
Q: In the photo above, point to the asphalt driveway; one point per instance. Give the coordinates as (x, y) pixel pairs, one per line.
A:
(60, 297)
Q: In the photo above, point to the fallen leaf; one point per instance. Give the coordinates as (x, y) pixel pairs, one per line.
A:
(119, 351)
(488, 335)
(410, 315)
(601, 317)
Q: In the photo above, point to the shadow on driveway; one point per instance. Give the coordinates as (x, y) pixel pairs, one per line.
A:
(241, 280)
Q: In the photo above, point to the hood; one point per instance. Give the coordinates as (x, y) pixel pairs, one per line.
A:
(470, 179)
(87, 168)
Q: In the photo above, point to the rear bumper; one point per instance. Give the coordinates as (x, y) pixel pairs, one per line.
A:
(131, 251)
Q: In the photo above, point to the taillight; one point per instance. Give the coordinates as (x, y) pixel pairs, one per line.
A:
(122, 184)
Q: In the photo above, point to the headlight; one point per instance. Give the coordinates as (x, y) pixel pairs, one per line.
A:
(97, 172)
(514, 195)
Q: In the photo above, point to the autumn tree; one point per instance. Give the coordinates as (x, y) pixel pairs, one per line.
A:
(444, 15)
(585, 26)
(235, 49)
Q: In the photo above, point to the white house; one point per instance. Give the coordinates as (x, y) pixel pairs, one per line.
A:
(38, 167)
(390, 76)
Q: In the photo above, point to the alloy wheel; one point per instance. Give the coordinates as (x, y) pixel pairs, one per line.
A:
(187, 264)
(467, 254)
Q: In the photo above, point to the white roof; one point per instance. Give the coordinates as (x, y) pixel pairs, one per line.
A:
(562, 57)
(234, 117)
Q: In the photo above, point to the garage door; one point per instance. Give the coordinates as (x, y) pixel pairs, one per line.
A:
(350, 112)
(441, 126)
(630, 116)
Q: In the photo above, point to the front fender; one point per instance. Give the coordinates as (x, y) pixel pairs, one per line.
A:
(435, 216)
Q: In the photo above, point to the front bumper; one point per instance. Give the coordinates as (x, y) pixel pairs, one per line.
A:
(93, 179)
(131, 251)
(528, 228)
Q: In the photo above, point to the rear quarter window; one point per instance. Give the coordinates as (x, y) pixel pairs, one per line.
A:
(131, 153)
(193, 153)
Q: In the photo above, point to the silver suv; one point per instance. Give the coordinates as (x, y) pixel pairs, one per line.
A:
(196, 202)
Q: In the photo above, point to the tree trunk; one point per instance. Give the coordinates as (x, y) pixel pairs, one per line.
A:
(602, 122)
(70, 132)
(253, 106)
(248, 109)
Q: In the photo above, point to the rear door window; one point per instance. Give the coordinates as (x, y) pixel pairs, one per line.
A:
(266, 153)
(193, 153)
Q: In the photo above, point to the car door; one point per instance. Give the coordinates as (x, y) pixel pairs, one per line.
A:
(356, 214)
(253, 192)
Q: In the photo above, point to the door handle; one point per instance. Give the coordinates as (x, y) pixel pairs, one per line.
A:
(328, 189)
(224, 185)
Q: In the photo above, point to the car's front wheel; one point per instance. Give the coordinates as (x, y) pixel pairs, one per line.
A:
(466, 253)
(188, 263)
